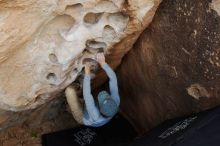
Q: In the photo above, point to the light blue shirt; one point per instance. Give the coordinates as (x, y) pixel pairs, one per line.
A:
(92, 116)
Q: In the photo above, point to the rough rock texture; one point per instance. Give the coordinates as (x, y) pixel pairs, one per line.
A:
(43, 43)
(174, 67)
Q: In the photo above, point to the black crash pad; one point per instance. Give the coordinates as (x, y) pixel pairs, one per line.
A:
(118, 130)
(202, 129)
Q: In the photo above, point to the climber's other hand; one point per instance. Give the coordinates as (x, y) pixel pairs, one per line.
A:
(87, 68)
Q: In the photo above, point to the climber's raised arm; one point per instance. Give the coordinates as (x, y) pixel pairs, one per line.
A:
(113, 85)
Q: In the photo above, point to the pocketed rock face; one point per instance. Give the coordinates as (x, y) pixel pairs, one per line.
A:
(173, 69)
(43, 43)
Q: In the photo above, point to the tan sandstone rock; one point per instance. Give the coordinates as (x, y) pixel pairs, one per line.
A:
(43, 43)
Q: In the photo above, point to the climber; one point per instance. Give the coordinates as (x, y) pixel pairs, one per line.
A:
(98, 113)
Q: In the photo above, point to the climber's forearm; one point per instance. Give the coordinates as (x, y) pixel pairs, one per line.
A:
(110, 73)
(89, 101)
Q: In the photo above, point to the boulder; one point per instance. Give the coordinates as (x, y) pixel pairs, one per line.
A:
(174, 67)
(43, 44)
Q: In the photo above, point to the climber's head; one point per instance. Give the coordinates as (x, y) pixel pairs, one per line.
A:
(107, 105)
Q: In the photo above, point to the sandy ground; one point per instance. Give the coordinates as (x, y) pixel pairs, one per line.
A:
(26, 135)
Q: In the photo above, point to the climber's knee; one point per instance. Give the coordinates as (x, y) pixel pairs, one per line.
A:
(70, 92)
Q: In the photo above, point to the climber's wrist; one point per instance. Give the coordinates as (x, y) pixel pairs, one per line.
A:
(102, 64)
(87, 72)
